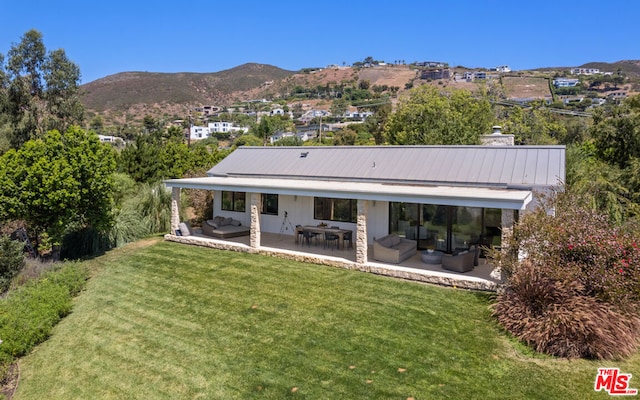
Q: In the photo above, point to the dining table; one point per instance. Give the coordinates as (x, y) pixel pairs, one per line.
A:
(325, 229)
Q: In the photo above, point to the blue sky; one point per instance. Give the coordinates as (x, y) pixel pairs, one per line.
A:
(107, 37)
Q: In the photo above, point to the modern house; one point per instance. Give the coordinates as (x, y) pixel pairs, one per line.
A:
(565, 82)
(203, 132)
(443, 197)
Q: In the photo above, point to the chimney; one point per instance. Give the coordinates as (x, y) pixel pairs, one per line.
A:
(496, 138)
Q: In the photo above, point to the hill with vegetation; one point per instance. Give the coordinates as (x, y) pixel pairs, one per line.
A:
(129, 96)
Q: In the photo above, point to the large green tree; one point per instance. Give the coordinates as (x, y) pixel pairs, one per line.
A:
(58, 183)
(429, 116)
(38, 91)
(162, 154)
(270, 125)
(533, 126)
(616, 131)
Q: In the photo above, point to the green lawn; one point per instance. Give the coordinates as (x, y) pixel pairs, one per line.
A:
(170, 321)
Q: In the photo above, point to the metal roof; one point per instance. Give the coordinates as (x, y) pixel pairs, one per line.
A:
(519, 167)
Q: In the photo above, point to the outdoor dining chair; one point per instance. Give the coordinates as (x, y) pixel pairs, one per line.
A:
(330, 238)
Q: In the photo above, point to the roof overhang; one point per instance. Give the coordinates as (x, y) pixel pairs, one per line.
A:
(515, 199)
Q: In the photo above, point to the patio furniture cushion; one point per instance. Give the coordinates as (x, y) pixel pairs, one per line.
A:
(184, 229)
(219, 228)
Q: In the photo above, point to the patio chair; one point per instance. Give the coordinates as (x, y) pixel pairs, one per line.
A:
(308, 235)
(299, 234)
(330, 238)
(348, 237)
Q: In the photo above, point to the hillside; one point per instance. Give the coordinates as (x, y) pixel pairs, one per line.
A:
(129, 96)
(171, 93)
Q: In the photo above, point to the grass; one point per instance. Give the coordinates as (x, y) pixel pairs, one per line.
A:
(169, 321)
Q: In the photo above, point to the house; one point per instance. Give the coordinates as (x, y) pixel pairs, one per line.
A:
(444, 197)
(565, 82)
(203, 132)
(584, 71)
(435, 73)
(503, 69)
(303, 136)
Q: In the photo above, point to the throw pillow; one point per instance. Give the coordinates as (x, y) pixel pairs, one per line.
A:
(235, 222)
(227, 221)
(211, 223)
(219, 221)
(184, 229)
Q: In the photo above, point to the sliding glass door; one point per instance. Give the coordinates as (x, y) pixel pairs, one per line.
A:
(445, 228)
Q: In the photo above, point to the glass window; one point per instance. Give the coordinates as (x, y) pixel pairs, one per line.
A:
(330, 209)
(233, 201)
(269, 204)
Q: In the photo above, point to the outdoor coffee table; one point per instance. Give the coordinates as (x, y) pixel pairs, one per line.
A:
(432, 257)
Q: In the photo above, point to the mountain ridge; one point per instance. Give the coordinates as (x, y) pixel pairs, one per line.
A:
(134, 94)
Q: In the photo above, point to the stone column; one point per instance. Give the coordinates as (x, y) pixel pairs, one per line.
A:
(254, 240)
(361, 232)
(175, 209)
(508, 220)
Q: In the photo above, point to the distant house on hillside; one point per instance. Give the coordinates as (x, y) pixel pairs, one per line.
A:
(503, 68)
(585, 71)
(435, 73)
(565, 82)
(303, 136)
(203, 132)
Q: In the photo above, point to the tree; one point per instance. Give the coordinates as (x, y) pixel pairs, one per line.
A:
(59, 183)
(270, 125)
(616, 132)
(338, 107)
(428, 116)
(535, 126)
(375, 123)
(40, 90)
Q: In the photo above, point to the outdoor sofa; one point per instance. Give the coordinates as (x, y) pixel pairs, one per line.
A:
(393, 249)
(223, 228)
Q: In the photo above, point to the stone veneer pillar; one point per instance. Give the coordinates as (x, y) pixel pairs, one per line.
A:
(361, 232)
(508, 220)
(254, 240)
(175, 209)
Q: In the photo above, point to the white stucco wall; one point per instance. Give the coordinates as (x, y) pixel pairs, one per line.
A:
(299, 211)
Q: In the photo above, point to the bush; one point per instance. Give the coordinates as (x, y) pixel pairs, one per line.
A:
(574, 288)
(553, 317)
(11, 260)
(29, 313)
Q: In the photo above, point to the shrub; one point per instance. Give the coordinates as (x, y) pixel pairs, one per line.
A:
(553, 317)
(11, 260)
(574, 287)
(29, 313)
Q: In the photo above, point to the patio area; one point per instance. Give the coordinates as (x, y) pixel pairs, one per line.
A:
(284, 246)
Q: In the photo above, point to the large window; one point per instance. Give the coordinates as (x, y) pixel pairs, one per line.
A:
(329, 209)
(445, 227)
(233, 201)
(269, 204)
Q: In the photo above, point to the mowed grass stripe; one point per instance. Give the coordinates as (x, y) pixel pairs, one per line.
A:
(173, 321)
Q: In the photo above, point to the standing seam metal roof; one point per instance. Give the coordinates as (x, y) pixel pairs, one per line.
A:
(480, 166)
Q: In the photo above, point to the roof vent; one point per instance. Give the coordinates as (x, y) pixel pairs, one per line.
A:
(304, 154)
(497, 130)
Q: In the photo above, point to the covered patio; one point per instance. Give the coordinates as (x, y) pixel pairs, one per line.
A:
(284, 246)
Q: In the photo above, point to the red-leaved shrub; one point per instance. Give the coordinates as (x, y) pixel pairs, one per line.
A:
(574, 281)
(555, 318)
